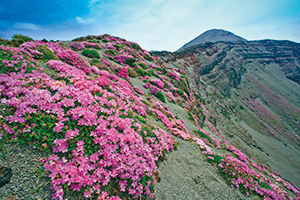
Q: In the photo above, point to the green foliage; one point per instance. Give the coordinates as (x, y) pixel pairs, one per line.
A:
(135, 46)
(140, 71)
(146, 102)
(144, 66)
(95, 62)
(160, 96)
(22, 37)
(110, 52)
(90, 53)
(99, 37)
(130, 62)
(150, 72)
(47, 54)
(3, 42)
(118, 46)
(180, 92)
(202, 135)
(131, 72)
(148, 58)
(190, 116)
(217, 159)
(80, 39)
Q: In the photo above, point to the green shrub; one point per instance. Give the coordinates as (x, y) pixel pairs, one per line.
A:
(180, 92)
(3, 42)
(22, 37)
(131, 72)
(110, 52)
(150, 72)
(140, 71)
(16, 42)
(202, 135)
(130, 62)
(90, 53)
(146, 102)
(95, 62)
(160, 96)
(47, 54)
(190, 116)
(144, 66)
(135, 46)
(148, 58)
(118, 46)
(80, 39)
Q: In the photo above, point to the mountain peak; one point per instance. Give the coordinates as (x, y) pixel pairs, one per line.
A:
(213, 35)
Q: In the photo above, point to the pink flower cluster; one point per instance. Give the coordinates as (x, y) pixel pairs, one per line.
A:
(31, 48)
(84, 45)
(163, 118)
(65, 70)
(175, 75)
(158, 82)
(138, 90)
(122, 57)
(123, 72)
(152, 89)
(171, 97)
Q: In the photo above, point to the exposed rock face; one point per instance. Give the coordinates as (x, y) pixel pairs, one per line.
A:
(5, 175)
(214, 35)
(252, 92)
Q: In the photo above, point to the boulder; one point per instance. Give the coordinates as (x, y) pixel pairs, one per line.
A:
(5, 175)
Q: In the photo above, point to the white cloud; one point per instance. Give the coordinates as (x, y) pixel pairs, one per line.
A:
(27, 26)
(85, 20)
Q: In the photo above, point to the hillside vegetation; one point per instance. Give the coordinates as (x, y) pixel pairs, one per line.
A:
(101, 109)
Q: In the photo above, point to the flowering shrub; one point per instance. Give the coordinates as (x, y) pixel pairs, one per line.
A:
(123, 72)
(175, 75)
(138, 90)
(77, 45)
(158, 83)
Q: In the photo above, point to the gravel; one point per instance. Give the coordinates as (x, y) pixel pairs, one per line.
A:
(25, 182)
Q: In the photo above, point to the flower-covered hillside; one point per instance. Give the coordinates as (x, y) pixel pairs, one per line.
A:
(104, 135)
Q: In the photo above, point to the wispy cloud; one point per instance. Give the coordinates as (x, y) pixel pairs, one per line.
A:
(27, 26)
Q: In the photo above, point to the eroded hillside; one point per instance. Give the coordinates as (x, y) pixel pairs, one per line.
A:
(251, 90)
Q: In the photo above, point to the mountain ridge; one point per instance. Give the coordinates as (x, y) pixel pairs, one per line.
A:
(213, 35)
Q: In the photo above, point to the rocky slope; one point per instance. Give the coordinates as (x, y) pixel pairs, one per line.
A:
(214, 35)
(107, 120)
(251, 90)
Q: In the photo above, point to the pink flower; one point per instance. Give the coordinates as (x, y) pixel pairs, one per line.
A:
(61, 145)
(70, 134)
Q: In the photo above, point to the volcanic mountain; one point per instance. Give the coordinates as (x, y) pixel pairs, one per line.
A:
(214, 35)
(252, 92)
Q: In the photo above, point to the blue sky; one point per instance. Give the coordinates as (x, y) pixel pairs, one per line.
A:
(154, 24)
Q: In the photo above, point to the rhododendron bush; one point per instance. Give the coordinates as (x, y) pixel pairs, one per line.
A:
(94, 123)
